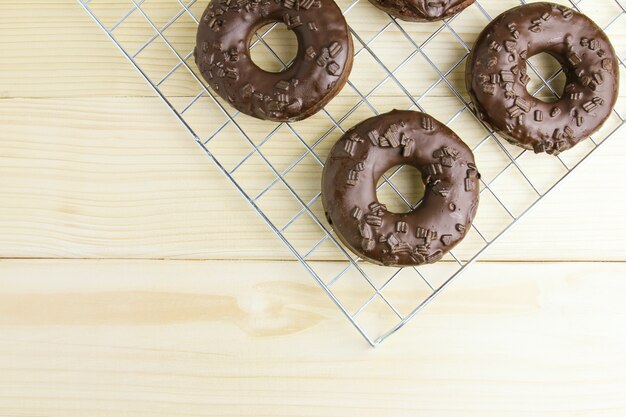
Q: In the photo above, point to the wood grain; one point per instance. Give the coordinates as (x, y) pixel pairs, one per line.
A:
(82, 183)
(92, 165)
(56, 50)
(178, 338)
(118, 177)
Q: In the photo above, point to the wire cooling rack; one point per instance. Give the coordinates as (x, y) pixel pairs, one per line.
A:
(277, 166)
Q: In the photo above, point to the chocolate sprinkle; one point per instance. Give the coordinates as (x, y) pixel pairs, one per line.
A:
(590, 66)
(322, 67)
(422, 10)
(422, 235)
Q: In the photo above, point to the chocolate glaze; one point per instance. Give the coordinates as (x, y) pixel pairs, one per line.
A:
(319, 71)
(422, 10)
(360, 158)
(496, 76)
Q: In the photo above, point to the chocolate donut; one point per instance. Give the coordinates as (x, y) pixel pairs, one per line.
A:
(496, 76)
(360, 158)
(319, 71)
(422, 10)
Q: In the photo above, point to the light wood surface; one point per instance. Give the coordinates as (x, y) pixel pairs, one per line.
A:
(205, 338)
(135, 281)
(118, 177)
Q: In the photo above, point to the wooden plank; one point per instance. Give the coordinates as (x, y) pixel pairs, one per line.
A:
(53, 49)
(93, 179)
(177, 338)
(118, 177)
(56, 50)
(71, 198)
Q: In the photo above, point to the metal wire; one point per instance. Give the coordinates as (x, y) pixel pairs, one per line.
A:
(305, 208)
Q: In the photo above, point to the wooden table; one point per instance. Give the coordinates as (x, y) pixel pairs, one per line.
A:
(124, 291)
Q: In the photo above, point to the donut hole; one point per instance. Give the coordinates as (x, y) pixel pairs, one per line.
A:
(408, 182)
(273, 47)
(547, 66)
